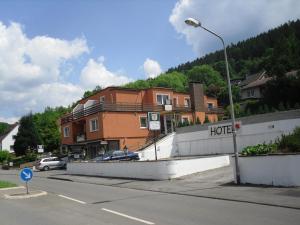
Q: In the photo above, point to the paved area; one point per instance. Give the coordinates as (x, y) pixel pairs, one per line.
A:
(216, 184)
(206, 198)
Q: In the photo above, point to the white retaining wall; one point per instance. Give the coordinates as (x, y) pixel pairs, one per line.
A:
(153, 170)
(277, 170)
(201, 143)
(164, 147)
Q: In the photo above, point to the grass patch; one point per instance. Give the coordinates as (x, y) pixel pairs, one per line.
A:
(6, 184)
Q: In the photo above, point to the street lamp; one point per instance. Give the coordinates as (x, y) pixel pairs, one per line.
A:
(195, 23)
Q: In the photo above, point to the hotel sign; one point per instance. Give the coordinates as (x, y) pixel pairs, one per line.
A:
(154, 120)
(224, 129)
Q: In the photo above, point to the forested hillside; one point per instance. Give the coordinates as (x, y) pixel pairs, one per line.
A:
(277, 51)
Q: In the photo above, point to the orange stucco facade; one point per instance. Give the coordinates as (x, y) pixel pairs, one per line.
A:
(118, 117)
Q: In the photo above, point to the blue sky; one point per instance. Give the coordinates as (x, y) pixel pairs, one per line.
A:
(52, 51)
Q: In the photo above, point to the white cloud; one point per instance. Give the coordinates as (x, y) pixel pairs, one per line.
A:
(9, 120)
(151, 68)
(95, 73)
(234, 20)
(30, 71)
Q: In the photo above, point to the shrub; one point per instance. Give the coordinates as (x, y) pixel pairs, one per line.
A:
(206, 119)
(260, 149)
(29, 157)
(291, 142)
(4, 156)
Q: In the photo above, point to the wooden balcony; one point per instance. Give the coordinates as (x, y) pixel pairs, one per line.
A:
(119, 107)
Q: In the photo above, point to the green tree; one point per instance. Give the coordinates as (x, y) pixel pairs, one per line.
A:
(3, 127)
(27, 136)
(47, 125)
(206, 75)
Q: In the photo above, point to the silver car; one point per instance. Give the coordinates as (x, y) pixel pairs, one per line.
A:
(50, 163)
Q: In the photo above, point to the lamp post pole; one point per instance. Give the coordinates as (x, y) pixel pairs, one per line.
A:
(196, 23)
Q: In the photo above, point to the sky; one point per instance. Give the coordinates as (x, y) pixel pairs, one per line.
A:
(52, 51)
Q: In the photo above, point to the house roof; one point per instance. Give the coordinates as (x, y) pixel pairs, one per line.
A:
(11, 127)
(251, 78)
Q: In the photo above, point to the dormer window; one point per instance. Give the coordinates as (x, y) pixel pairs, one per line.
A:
(187, 102)
(162, 99)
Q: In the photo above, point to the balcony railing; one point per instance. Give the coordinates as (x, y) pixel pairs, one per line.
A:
(215, 110)
(119, 107)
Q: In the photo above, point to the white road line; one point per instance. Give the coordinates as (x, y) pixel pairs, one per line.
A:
(72, 199)
(129, 217)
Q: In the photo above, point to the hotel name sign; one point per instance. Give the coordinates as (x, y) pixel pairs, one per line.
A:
(224, 129)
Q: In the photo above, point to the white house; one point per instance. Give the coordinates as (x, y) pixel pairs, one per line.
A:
(6, 140)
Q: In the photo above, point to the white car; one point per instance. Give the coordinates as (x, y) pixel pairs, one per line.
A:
(50, 163)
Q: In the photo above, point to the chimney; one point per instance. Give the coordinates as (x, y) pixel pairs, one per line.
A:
(197, 96)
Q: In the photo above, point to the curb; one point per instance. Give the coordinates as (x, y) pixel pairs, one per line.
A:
(25, 196)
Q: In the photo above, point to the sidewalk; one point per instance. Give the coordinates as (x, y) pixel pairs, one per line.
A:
(215, 184)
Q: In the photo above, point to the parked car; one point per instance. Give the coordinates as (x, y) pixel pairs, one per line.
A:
(118, 155)
(50, 163)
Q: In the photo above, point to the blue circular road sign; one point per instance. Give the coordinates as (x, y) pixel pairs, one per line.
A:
(26, 174)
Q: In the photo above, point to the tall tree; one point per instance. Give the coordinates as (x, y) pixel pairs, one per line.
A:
(27, 136)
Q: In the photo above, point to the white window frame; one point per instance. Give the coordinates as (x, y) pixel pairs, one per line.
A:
(142, 127)
(102, 99)
(210, 103)
(91, 125)
(189, 100)
(163, 94)
(66, 134)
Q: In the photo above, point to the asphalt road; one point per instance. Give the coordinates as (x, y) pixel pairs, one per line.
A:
(72, 203)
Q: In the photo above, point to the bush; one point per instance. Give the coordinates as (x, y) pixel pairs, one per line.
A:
(260, 149)
(291, 142)
(29, 157)
(4, 156)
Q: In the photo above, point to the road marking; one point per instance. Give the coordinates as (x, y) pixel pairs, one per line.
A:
(72, 199)
(129, 217)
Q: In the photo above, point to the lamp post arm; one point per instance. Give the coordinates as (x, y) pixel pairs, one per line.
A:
(231, 106)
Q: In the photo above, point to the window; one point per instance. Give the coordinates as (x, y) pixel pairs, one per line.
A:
(250, 93)
(93, 125)
(143, 122)
(161, 99)
(187, 102)
(102, 99)
(210, 105)
(66, 131)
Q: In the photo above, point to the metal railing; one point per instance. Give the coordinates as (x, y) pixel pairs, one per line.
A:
(215, 110)
(119, 107)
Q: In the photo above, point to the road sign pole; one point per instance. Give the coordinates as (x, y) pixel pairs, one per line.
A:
(27, 192)
(155, 145)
